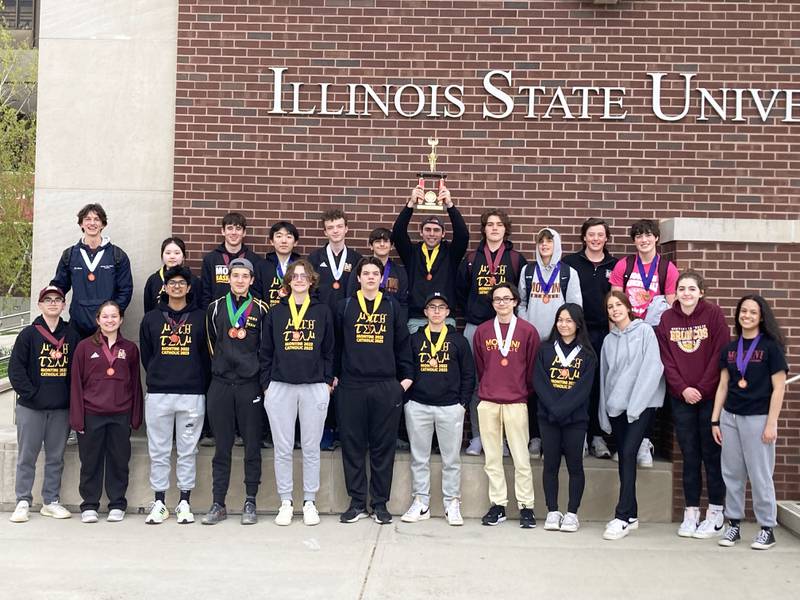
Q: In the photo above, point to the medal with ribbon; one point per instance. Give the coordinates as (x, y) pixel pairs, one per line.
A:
(363, 304)
(91, 265)
(566, 361)
(504, 344)
(175, 326)
(110, 357)
(546, 286)
(434, 362)
(493, 264)
(238, 317)
(742, 358)
(55, 351)
(647, 278)
(336, 271)
(227, 259)
(297, 316)
(386, 270)
(429, 259)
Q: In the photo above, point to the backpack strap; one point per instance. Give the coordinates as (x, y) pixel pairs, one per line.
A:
(563, 278)
(663, 266)
(630, 263)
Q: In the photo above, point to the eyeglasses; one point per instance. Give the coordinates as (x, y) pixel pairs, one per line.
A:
(299, 277)
(503, 300)
(178, 283)
(52, 300)
(437, 307)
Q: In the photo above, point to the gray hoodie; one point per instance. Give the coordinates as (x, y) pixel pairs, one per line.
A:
(531, 308)
(631, 373)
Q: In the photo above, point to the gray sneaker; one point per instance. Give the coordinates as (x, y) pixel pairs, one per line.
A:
(215, 514)
(249, 516)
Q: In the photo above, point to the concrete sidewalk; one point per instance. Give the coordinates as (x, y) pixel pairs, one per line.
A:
(60, 560)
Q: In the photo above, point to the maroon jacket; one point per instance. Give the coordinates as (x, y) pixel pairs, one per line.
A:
(96, 392)
(513, 383)
(690, 348)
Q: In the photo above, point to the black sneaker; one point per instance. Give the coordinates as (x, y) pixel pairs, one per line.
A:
(764, 539)
(353, 514)
(732, 535)
(527, 520)
(215, 514)
(495, 516)
(381, 515)
(249, 516)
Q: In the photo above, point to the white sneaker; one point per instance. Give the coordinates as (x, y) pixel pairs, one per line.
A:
(691, 517)
(20, 514)
(55, 510)
(644, 457)
(712, 526)
(553, 521)
(585, 448)
(115, 515)
(535, 447)
(72, 438)
(600, 448)
(453, 513)
(285, 513)
(89, 516)
(616, 529)
(570, 523)
(416, 512)
(310, 513)
(475, 447)
(158, 513)
(183, 513)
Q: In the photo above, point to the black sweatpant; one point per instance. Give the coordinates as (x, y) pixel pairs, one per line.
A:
(368, 417)
(693, 430)
(560, 440)
(628, 437)
(104, 447)
(228, 405)
(533, 420)
(596, 336)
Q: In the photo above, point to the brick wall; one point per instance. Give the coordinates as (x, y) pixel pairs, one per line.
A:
(230, 153)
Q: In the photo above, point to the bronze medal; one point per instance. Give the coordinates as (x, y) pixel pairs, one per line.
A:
(57, 354)
(545, 299)
(90, 277)
(492, 280)
(241, 334)
(282, 293)
(110, 371)
(433, 362)
(52, 353)
(742, 383)
(504, 362)
(296, 335)
(428, 276)
(174, 338)
(336, 285)
(232, 332)
(564, 373)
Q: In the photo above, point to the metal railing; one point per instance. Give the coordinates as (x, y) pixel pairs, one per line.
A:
(19, 14)
(22, 317)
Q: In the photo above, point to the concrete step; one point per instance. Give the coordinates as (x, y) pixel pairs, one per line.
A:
(654, 485)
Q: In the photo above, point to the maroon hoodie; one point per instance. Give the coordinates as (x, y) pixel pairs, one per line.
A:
(690, 347)
(512, 383)
(95, 391)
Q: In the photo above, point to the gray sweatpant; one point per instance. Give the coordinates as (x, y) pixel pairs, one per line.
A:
(745, 456)
(283, 403)
(448, 421)
(183, 414)
(34, 428)
(475, 428)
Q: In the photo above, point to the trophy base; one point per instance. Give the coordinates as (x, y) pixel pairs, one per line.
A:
(431, 204)
(430, 207)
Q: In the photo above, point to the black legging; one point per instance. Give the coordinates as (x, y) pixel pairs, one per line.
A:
(566, 440)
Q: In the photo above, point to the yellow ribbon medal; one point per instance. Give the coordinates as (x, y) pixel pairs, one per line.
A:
(429, 260)
(362, 303)
(297, 317)
(437, 346)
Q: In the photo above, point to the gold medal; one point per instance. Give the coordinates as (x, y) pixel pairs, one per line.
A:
(241, 334)
(431, 196)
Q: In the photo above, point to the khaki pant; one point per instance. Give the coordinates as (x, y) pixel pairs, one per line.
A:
(513, 418)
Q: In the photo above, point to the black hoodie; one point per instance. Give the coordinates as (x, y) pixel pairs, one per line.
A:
(451, 378)
(474, 280)
(42, 382)
(594, 286)
(271, 283)
(308, 359)
(234, 360)
(174, 366)
(215, 282)
(563, 392)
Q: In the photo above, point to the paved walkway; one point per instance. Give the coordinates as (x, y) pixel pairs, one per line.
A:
(45, 559)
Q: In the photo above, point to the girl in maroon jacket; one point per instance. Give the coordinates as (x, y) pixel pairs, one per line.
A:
(105, 402)
(691, 335)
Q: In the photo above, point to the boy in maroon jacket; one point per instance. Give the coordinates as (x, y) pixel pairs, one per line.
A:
(505, 351)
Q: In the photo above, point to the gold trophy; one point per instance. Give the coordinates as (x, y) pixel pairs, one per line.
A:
(431, 201)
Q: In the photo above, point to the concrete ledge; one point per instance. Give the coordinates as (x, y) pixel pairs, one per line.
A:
(789, 515)
(760, 231)
(654, 486)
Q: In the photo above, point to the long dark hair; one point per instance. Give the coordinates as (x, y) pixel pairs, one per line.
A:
(581, 333)
(769, 324)
(97, 336)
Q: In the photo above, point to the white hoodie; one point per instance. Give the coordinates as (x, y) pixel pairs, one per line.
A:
(631, 373)
(531, 308)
